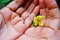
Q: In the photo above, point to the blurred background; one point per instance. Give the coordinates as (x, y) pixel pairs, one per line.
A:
(3, 3)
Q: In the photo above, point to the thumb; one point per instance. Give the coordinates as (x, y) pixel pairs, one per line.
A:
(19, 1)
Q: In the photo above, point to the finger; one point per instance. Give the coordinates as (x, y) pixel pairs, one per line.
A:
(16, 20)
(22, 9)
(14, 15)
(6, 13)
(52, 9)
(28, 12)
(41, 3)
(9, 33)
(20, 1)
(27, 4)
(50, 4)
(29, 20)
(53, 13)
(42, 8)
(36, 2)
(31, 7)
(16, 5)
(43, 12)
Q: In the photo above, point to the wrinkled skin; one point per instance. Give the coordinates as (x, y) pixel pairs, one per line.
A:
(16, 21)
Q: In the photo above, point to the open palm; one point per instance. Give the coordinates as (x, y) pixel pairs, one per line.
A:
(16, 20)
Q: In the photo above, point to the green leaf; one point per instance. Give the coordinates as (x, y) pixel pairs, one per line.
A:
(4, 1)
(34, 24)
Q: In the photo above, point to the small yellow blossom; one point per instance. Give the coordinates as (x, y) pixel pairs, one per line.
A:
(38, 21)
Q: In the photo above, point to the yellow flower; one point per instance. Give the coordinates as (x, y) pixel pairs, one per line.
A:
(38, 21)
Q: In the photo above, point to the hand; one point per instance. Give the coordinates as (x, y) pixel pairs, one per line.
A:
(15, 27)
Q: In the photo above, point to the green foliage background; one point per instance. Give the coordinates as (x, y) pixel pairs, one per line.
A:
(3, 3)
